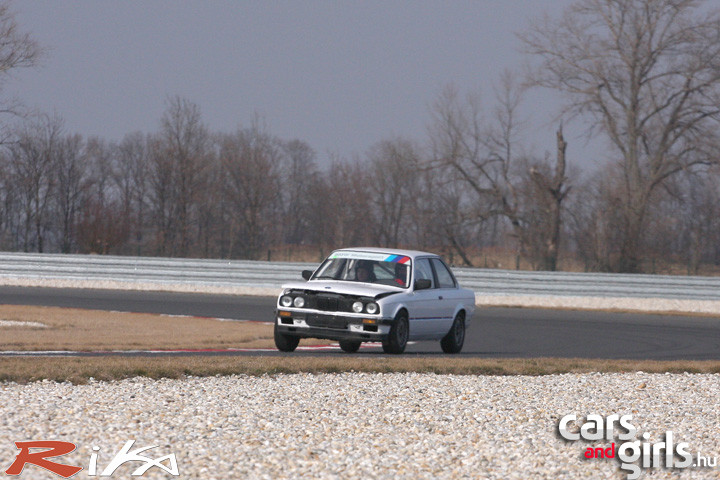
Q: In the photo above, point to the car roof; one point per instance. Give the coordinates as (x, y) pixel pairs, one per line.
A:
(390, 251)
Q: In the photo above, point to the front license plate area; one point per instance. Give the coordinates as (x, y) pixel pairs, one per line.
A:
(326, 321)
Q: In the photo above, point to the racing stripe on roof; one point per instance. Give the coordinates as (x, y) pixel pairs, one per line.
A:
(397, 259)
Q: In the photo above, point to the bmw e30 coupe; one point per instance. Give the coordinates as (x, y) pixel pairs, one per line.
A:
(375, 295)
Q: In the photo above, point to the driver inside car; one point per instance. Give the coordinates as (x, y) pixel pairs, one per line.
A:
(364, 272)
(400, 274)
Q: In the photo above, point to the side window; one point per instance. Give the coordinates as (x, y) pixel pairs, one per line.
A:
(424, 271)
(445, 279)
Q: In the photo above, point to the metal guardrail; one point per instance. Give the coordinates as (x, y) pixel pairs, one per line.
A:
(235, 273)
(571, 284)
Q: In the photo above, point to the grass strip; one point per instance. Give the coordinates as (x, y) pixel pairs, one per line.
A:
(81, 370)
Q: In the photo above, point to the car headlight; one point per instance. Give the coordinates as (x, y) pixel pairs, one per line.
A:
(372, 308)
(286, 301)
(357, 307)
(299, 302)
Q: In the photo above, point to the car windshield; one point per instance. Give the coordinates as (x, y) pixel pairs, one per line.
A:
(383, 269)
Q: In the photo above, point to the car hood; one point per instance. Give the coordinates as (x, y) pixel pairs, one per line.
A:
(347, 288)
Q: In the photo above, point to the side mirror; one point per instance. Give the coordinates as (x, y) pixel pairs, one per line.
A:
(306, 274)
(422, 284)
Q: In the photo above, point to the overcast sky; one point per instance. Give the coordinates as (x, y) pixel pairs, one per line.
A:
(339, 75)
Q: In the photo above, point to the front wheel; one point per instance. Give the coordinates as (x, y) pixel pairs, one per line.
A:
(453, 341)
(284, 342)
(398, 336)
(350, 346)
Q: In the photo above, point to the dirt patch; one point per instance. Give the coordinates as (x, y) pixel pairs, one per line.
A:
(85, 330)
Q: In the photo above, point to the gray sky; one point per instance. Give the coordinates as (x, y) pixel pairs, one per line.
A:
(339, 75)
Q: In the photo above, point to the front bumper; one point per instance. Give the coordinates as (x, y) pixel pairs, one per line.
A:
(332, 326)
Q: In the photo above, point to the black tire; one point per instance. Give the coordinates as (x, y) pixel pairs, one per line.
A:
(284, 342)
(398, 337)
(350, 346)
(453, 341)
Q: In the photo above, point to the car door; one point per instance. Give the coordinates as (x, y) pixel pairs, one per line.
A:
(447, 293)
(424, 307)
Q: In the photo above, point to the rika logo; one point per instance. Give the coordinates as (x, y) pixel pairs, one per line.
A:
(40, 459)
(43, 450)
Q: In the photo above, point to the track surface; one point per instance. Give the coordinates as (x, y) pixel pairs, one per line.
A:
(495, 332)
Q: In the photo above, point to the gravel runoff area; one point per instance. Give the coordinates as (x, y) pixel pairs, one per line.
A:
(355, 425)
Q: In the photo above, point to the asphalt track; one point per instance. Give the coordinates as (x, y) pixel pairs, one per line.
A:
(495, 332)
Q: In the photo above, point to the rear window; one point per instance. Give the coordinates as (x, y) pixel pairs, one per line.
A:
(445, 278)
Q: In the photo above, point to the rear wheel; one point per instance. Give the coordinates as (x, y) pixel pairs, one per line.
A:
(350, 346)
(453, 341)
(285, 342)
(398, 336)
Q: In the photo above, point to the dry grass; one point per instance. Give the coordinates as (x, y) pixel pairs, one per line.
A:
(79, 370)
(76, 329)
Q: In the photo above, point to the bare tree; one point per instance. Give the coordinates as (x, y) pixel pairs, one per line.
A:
(683, 223)
(71, 174)
(251, 160)
(483, 156)
(99, 153)
(646, 73)
(393, 179)
(340, 213)
(31, 168)
(161, 192)
(185, 144)
(10, 216)
(546, 191)
(320, 214)
(17, 50)
(595, 219)
(212, 206)
(131, 177)
(102, 227)
(454, 226)
(298, 172)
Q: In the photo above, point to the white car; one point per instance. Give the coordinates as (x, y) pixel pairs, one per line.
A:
(375, 295)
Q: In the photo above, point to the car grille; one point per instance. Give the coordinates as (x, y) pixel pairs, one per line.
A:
(327, 304)
(326, 321)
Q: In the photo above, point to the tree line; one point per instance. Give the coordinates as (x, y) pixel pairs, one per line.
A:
(643, 74)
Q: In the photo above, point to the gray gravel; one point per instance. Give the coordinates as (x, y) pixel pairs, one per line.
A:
(353, 425)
